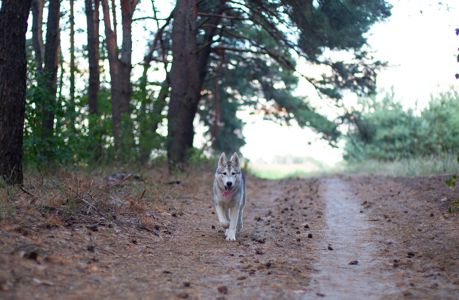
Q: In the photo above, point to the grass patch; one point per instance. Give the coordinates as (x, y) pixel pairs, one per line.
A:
(279, 171)
(406, 167)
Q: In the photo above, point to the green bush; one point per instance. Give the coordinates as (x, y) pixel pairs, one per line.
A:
(383, 130)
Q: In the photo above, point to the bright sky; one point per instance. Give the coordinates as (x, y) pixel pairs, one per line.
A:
(419, 43)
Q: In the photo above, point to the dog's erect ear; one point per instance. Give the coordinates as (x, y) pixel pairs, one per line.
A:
(235, 159)
(222, 160)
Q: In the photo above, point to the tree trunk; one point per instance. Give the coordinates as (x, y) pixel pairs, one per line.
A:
(37, 33)
(217, 102)
(59, 109)
(120, 74)
(185, 83)
(72, 108)
(144, 136)
(92, 18)
(189, 69)
(115, 23)
(13, 74)
(50, 72)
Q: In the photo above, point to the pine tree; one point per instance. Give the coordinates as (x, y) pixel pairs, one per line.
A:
(265, 35)
(13, 75)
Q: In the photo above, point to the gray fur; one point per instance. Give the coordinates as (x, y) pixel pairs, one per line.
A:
(229, 195)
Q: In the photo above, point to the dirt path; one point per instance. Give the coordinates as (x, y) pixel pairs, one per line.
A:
(350, 268)
(299, 239)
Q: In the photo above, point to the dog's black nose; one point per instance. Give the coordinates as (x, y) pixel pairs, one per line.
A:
(229, 184)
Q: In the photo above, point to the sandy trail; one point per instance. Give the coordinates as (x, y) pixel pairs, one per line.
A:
(348, 265)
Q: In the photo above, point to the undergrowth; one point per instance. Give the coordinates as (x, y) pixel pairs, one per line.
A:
(98, 197)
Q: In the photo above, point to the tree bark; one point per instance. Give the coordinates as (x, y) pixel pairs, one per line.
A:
(189, 69)
(185, 83)
(59, 109)
(92, 18)
(37, 33)
(120, 74)
(50, 72)
(115, 23)
(13, 75)
(72, 108)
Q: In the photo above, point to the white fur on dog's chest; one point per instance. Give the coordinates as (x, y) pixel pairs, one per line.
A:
(227, 201)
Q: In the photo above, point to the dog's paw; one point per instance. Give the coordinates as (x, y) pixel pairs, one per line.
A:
(230, 235)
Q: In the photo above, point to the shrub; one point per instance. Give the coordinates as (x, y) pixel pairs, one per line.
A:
(383, 130)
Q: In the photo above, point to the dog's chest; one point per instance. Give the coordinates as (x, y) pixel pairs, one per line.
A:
(228, 200)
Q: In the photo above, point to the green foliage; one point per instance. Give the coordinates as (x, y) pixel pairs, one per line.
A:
(67, 145)
(416, 166)
(91, 139)
(454, 207)
(451, 182)
(7, 196)
(226, 136)
(385, 131)
(338, 25)
(3, 183)
(343, 24)
(255, 70)
(196, 156)
(258, 83)
(442, 116)
(257, 74)
(149, 114)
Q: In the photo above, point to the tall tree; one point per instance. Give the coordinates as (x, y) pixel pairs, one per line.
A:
(184, 82)
(320, 27)
(92, 19)
(37, 33)
(50, 74)
(120, 73)
(13, 75)
(188, 71)
(71, 106)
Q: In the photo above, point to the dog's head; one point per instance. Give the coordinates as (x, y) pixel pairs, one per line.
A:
(228, 174)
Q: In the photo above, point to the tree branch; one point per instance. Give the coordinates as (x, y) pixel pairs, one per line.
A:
(110, 38)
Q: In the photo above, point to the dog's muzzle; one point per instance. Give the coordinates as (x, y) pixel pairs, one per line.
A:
(228, 189)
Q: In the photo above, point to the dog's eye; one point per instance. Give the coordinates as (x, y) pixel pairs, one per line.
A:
(224, 173)
(233, 173)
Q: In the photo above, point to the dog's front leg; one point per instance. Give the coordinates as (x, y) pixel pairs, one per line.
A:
(221, 216)
(231, 231)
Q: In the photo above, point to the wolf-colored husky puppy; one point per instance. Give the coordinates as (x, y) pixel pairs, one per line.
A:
(229, 195)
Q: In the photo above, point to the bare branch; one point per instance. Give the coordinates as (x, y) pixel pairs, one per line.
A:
(148, 18)
(111, 40)
(115, 23)
(158, 38)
